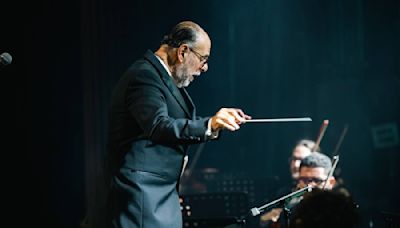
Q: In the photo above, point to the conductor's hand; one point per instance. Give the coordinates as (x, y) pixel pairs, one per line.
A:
(228, 118)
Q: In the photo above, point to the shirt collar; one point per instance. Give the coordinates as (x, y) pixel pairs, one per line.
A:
(163, 64)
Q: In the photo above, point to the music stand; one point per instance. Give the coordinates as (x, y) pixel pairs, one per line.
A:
(214, 210)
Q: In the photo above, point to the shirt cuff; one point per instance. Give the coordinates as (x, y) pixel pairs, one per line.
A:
(210, 133)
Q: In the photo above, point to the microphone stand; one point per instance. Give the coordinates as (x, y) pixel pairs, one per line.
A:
(281, 201)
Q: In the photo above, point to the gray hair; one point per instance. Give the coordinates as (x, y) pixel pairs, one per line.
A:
(317, 160)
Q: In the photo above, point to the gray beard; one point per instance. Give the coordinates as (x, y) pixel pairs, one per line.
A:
(181, 77)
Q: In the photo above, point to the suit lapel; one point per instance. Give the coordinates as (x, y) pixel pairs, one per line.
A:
(169, 82)
(189, 101)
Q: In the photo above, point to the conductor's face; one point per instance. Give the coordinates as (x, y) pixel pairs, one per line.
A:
(194, 62)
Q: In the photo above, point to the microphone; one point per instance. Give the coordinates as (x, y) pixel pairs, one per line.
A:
(5, 59)
(256, 211)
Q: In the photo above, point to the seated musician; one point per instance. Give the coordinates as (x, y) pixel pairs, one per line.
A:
(314, 170)
(302, 149)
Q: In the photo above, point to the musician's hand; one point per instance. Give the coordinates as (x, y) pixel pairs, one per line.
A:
(228, 118)
(272, 215)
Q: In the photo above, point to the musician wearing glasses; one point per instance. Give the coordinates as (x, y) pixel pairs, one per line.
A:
(152, 122)
(302, 149)
(313, 171)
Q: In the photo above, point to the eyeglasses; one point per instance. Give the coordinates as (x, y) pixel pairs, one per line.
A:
(203, 58)
(308, 180)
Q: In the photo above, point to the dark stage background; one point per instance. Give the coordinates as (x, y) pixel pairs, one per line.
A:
(336, 60)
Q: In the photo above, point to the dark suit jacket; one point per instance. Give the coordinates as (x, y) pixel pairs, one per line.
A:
(151, 125)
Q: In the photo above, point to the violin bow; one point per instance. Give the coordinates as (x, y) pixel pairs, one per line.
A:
(344, 132)
(336, 154)
(322, 130)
